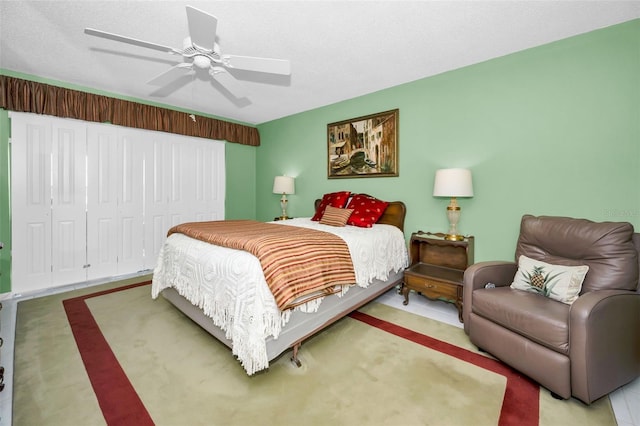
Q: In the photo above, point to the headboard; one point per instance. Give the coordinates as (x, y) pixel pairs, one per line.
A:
(394, 214)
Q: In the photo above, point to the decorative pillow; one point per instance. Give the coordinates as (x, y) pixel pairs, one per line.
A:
(558, 282)
(335, 217)
(366, 210)
(334, 199)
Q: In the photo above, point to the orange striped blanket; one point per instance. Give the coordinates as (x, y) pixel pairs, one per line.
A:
(299, 264)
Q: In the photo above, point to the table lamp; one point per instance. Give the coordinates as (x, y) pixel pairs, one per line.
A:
(453, 183)
(283, 185)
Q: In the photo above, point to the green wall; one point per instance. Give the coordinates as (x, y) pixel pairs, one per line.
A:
(5, 211)
(240, 165)
(553, 130)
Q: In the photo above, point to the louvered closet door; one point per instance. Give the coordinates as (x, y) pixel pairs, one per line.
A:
(30, 202)
(68, 203)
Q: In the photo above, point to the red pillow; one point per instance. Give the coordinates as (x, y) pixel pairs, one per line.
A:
(366, 210)
(334, 199)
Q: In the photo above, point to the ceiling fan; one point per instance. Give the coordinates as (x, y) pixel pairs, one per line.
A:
(200, 51)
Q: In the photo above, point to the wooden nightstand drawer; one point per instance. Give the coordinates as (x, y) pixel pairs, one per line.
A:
(432, 288)
(437, 267)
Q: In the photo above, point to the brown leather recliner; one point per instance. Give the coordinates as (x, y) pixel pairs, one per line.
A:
(586, 349)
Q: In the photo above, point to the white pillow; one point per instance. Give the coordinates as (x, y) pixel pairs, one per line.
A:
(558, 282)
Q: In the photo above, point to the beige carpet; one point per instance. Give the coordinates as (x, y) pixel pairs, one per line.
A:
(352, 373)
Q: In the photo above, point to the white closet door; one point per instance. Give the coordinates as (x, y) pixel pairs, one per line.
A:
(180, 185)
(156, 195)
(184, 183)
(130, 201)
(115, 201)
(209, 180)
(197, 192)
(102, 201)
(30, 202)
(69, 191)
(91, 200)
(167, 180)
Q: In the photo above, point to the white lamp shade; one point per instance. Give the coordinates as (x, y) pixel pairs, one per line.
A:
(283, 185)
(453, 183)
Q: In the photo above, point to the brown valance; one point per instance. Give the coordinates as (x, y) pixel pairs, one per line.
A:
(29, 96)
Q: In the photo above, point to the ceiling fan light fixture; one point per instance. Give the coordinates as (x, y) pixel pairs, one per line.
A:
(202, 62)
(201, 52)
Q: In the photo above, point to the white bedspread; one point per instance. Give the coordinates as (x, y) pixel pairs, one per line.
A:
(230, 288)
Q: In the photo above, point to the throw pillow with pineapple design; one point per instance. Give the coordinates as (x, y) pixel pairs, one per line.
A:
(558, 282)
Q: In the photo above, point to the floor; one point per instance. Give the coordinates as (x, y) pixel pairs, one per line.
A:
(625, 401)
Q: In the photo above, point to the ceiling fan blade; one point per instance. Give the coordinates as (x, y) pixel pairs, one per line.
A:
(129, 40)
(228, 81)
(202, 28)
(273, 66)
(170, 75)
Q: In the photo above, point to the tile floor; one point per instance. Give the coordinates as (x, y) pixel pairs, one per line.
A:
(625, 401)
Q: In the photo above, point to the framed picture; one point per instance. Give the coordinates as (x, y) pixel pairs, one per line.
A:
(364, 146)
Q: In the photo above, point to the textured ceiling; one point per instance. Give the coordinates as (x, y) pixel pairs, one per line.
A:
(338, 50)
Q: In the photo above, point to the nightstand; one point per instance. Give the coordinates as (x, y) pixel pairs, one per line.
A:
(437, 267)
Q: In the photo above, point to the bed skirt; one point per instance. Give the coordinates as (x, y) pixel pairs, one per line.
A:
(301, 325)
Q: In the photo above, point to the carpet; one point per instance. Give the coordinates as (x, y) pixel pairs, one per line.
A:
(112, 355)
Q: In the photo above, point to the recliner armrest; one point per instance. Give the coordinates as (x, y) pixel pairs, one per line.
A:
(476, 276)
(604, 326)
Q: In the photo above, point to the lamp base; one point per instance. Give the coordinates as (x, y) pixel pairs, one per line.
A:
(453, 214)
(283, 206)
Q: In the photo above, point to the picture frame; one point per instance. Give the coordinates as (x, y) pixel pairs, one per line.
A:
(364, 146)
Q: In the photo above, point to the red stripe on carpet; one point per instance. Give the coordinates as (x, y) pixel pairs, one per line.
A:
(121, 405)
(521, 403)
(118, 400)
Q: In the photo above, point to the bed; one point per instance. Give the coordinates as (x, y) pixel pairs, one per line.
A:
(224, 290)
